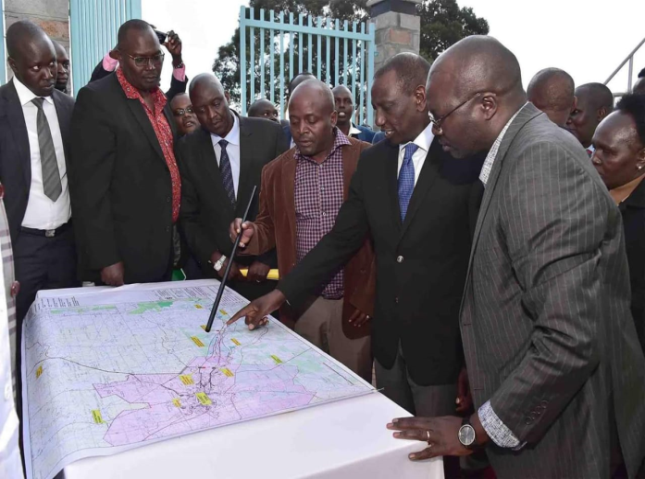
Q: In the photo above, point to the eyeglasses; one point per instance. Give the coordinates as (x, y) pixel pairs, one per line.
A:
(438, 121)
(145, 61)
(183, 111)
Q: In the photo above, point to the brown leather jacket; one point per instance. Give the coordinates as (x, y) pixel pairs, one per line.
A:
(276, 228)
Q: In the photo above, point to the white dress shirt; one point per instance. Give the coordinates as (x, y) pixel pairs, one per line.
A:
(233, 150)
(43, 213)
(10, 462)
(423, 141)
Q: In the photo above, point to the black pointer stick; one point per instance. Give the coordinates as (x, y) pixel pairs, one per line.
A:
(222, 284)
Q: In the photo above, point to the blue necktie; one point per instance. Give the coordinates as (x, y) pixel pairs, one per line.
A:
(406, 179)
(227, 175)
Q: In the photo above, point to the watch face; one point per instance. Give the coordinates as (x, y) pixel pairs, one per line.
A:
(467, 435)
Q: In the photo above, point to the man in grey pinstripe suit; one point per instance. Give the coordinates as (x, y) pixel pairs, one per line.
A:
(553, 359)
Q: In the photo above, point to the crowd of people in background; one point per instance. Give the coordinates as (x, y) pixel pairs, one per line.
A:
(481, 259)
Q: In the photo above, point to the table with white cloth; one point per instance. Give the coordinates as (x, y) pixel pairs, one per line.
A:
(340, 440)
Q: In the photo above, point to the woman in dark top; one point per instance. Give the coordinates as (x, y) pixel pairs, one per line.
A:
(620, 160)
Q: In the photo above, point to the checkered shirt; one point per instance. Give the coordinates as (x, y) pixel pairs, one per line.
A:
(319, 194)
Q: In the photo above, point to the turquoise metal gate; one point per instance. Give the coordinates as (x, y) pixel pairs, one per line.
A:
(341, 56)
(93, 32)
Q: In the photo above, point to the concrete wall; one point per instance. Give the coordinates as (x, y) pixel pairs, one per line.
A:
(51, 15)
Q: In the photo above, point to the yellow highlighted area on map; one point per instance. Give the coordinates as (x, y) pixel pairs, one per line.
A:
(227, 372)
(276, 359)
(236, 342)
(187, 379)
(197, 341)
(176, 402)
(203, 399)
(39, 371)
(96, 414)
(203, 326)
(199, 306)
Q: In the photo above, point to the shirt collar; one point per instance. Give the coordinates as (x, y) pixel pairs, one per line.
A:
(25, 95)
(353, 130)
(233, 137)
(492, 154)
(423, 141)
(133, 94)
(339, 140)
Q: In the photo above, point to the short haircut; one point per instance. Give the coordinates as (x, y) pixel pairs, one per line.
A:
(410, 68)
(634, 106)
(641, 74)
(135, 24)
(552, 88)
(291, 85)
(600, 95)
(17, 34)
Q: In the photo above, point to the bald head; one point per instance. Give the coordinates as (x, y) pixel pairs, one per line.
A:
(597, 95)
(32, 57)
(552, 91)
(312, 118)
(594, 101)
(263, 108)
(210, 104)
(473, 89)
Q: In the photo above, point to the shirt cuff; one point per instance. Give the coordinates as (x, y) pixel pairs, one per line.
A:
(109, 63)
(496, 429)
(179, 73)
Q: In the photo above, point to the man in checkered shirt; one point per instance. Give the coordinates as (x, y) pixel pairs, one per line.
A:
(302, 191)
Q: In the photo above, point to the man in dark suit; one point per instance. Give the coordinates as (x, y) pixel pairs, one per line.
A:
(220, 163)
(345, 109)
(34, 152)
(418, 220)
(552, 354)
(178, 80)
(639, 86)
(125, 183)
(594, 101)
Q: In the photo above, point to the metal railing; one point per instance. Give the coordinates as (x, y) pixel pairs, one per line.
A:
(355, 46)
(94, 28)
(630, 61)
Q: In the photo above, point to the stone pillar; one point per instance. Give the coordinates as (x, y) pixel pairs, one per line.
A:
(51, 15)
(398, 27)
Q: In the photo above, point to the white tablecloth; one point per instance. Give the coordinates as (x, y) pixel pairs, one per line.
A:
(342, 440)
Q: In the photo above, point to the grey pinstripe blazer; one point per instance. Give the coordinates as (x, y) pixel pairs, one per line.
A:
(545, 318)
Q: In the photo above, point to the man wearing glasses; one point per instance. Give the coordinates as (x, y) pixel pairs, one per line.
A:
(125, 180)
(182, 110)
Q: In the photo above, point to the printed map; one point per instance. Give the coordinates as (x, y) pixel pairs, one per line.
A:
(105, 372)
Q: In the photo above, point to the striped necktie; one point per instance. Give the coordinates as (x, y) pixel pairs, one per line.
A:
(227, 175)
(51, 176)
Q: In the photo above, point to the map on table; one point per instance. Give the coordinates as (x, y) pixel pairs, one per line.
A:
(109, 371)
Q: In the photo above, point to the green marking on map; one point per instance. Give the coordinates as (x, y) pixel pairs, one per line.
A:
(152, 306)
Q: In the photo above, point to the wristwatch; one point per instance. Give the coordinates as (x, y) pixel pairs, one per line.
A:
(219, 263)
(467, 435)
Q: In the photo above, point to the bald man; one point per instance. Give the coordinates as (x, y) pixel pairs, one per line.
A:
(552, 91)
(553, 358)
(125, 182)
(263, 108)
(302, 191)
(220, 164)
(345, 110)
(594, 101)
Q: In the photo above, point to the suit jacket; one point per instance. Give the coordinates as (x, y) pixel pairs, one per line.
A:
(421, 262)
(176, 86)
(545, 322)
(633, 213)
(120, 185)
(366, 133)
(15, 156)
(206, 212)
(276, 227)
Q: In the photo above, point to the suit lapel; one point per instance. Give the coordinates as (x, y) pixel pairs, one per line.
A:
(391, 173)
(139, 113)
(527, 113)
(246, 158)
(16, 120)
(427, 177)
(64, 114)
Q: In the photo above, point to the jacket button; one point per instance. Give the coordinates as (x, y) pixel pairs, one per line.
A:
(396, 300)
(15, 289)
(399, 259)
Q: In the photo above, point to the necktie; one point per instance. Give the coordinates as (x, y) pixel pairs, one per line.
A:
(51, 176)
(225, 170)
(406, 178)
